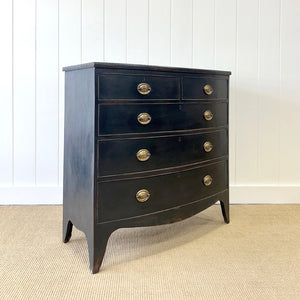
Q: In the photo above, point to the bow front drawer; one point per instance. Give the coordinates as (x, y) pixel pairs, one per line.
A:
(139, 155)
(142, 118)
(135, 197)
(198, 88)
(115, 86)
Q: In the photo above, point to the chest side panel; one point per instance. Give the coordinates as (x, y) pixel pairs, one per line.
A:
(79, 145)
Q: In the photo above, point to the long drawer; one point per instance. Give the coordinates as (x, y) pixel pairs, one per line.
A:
(119, 198)
(139, 87)
(125, 118)
(138, 155)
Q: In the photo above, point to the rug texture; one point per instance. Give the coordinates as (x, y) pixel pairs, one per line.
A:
(256, 256)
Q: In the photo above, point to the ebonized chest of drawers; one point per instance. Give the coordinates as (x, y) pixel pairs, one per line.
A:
(144, 146)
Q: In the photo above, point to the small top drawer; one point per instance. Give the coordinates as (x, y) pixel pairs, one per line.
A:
(197, 88)
(123, 86)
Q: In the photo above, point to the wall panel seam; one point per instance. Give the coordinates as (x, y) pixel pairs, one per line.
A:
(81, 45)
(280, 91)
(126, 32)
(170, 32)
(58, 87)
(12, 93)
(215, 38)
(103, 32)
(192, 57)
(236, 93)
(258, 88)
(148, 50)
(35, 89)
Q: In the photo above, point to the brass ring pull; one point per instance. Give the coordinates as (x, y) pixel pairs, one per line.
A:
(143, 155)
(208, 90)
(207, 146)
(144, 88)
(142, 195)
(207, 180)
(144, 118)
(208, 115)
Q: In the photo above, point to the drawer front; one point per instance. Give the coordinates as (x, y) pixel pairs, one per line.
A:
(123, 119)
(132, 155)
(126, 87)
(118, 199)
(204, 88)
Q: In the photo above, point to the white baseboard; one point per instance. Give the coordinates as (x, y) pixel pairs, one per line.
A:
(264, 194)
(31, 195)
(48, 195)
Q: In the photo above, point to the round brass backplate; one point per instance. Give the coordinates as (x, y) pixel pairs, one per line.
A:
(207, 146)
(142, 195)
(144, 118)
(208, 90)
(144, 88)
(208, 115)
(143, 155)
(207, 180)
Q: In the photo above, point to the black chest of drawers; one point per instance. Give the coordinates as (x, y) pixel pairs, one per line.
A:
(144, 146)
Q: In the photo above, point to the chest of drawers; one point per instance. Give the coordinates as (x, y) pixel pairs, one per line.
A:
(144, 146)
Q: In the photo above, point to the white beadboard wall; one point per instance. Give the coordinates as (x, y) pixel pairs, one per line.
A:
(258, 40)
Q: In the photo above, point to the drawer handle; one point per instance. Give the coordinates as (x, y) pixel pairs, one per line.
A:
(208, 115)
(143, 155)
(207, 146)
(142, 195)
(144, 88)
(208, 90)
(207, 180)
(144, 118)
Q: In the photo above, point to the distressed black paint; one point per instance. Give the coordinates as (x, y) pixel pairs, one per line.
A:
(102, 136)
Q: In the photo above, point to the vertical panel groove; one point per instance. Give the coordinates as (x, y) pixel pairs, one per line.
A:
(46, 105)
(138, 31)
(215, 44)
(126, 32)
(268, 90)
(258, 86)
(58, 85)
(148, 38)
(171, 60)
(70, 53)
(204, 34)
(223, 47)
(24, 92)
(58, 99)
(116, 31)
(13, 92)
(103, 38)
(181, 33)
(192, 50)
(35, 90)
(236, 77)
(280, 90)
(159, 36)
(81, 45)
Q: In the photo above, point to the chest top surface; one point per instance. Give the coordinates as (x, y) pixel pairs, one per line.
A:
(144, 68)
